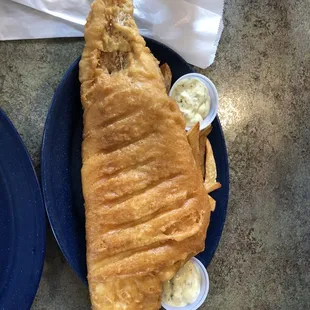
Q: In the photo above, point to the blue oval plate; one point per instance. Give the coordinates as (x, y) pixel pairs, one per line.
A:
(22, 222)
(61, 164)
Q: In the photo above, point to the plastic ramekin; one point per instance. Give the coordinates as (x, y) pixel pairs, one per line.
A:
(212, 93)
(204, 289)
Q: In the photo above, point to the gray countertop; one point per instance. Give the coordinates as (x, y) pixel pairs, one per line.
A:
(262, 75)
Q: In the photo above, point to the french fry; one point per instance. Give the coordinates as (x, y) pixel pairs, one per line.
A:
(210, 174)
(193, 140)
(202, 147)
(212, 187)
(212, 203)
(167, 74)
(210, 171)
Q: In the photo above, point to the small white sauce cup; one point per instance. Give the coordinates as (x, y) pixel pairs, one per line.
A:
(204, 289)
(212, 93)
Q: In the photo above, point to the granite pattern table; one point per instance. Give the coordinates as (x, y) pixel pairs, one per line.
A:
(262, 74)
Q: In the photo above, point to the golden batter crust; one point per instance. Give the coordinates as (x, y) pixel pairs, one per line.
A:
(147, 211)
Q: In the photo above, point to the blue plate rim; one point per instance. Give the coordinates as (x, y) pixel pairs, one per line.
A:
(41, 217)
(43, 178)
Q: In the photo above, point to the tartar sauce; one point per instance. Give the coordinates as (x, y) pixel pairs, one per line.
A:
(184, 288)
(193, 98)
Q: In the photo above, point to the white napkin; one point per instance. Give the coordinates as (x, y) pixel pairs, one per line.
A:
(190, 27)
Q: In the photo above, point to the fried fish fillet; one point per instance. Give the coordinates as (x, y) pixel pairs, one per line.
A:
(146, 208)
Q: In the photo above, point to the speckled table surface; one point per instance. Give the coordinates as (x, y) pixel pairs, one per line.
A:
(262, 74)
